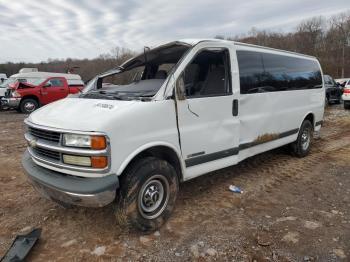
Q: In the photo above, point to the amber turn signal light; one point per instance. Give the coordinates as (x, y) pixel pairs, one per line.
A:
(99, 161)
(98, 142)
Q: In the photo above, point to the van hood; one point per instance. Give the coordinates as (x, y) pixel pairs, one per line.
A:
(77, 114)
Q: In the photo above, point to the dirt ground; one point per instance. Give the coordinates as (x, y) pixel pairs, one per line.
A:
(291, 209)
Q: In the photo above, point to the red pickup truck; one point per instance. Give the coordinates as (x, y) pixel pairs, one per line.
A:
(28, 91)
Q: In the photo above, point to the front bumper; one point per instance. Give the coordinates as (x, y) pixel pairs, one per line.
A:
(62, 188)
(12, 102)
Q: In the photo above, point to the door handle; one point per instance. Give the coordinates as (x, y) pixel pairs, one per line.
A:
(235, 107)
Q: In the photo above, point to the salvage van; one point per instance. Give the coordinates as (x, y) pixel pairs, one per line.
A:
(168, 115)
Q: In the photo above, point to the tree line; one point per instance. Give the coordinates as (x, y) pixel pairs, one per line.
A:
(327, 39)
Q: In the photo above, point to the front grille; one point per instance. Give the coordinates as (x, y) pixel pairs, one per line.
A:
(45, 134)
(46, 153)
(8, 93)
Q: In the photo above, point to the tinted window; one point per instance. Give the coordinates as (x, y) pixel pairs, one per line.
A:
(263, 72)
(251, 71)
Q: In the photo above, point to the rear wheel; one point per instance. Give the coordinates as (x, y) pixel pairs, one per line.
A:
(147, 195)
(301, 147)
(346, 105)
(28, 105)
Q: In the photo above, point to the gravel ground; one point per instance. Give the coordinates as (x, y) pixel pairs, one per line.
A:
(291, 210)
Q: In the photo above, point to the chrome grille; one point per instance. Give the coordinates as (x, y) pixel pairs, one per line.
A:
(45, 134)
(46, 153)
(8, 93)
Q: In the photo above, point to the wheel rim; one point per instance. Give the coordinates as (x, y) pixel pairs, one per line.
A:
(153, 196)
(305, 139)
(29, 106)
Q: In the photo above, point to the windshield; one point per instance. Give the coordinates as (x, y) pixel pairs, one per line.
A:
(328, 80)
(29, 80)
(7, 82)
(138, 78)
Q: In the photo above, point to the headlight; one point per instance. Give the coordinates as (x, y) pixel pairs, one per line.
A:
(93, 142)
(15, 94)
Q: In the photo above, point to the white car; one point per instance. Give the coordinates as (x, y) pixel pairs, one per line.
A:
(198, 106)
(346, 95)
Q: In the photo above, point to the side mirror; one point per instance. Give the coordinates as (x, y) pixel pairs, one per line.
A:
(47, 84)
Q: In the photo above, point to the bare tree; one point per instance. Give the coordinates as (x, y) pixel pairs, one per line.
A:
(341, 25)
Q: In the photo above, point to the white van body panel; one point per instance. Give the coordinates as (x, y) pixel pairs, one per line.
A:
(205, 124)
(131, 126)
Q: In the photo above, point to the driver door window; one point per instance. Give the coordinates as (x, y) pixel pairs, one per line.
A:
(207, 75)
(55, 83)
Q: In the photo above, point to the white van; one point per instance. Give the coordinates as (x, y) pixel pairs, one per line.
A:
(173, 113)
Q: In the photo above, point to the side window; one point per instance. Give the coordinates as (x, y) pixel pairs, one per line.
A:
(275, 77)
(303, 73)
(207, 75)
(56, 82)
(251, 71)
(264, 72)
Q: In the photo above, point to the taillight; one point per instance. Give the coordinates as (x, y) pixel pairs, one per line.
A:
(346, 91)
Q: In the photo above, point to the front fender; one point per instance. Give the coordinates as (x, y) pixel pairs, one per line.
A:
(144, 147)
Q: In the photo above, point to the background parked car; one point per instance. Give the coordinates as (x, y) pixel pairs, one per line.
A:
(341, 81)
(28, 91)
(346, 95)
(333, 92)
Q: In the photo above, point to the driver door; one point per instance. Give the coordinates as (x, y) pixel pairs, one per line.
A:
(207, 110)
(54, 89)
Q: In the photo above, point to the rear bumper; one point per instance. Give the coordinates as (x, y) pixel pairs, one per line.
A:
(72, 190)
(11, 102)
(346, 98)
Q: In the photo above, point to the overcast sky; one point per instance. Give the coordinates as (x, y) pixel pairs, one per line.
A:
(33, 30)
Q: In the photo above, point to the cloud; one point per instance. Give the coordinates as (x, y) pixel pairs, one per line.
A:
(33, 30)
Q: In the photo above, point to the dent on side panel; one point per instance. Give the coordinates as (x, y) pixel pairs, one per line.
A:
(253, 118)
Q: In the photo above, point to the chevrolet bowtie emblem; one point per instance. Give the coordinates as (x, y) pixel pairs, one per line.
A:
(32, 143)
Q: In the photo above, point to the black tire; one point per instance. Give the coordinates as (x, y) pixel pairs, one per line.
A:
(327, 102)
(141, 187)
(338, 102)
(28, 105)
(346, 105)
(301, 147)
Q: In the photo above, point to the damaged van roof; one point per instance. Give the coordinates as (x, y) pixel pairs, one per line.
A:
(181, 46)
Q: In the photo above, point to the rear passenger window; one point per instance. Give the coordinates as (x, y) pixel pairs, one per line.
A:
(250, 71)
(264, 72)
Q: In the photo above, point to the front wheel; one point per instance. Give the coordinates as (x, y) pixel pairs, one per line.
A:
(28, 105)
(301, 147)
(147, 195)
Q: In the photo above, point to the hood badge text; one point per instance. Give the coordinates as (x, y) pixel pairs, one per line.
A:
(105, 106)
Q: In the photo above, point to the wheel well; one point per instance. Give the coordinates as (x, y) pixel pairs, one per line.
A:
(311, 118)
(164, 153)
(31, 97)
